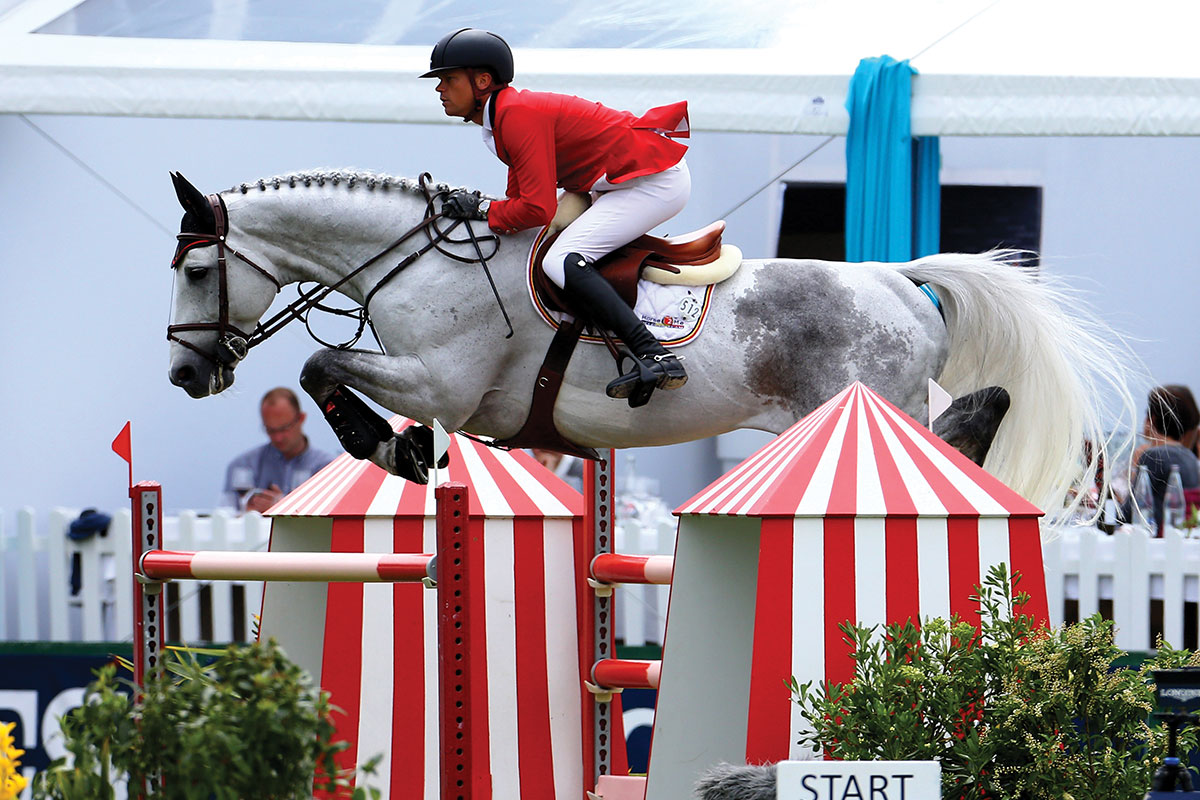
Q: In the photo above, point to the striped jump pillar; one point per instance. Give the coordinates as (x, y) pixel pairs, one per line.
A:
(373, 646)
(460, 690)
(855, 513)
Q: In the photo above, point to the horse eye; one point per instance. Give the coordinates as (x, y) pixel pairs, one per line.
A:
(195, 274)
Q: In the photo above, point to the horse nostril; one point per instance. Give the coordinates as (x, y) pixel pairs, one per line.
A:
(183, 375)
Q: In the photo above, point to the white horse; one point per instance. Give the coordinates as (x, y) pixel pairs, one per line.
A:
(781, 336)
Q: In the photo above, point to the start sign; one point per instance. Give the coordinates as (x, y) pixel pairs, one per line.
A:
(858, 780)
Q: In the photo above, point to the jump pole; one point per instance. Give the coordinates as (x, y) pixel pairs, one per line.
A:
(219, 565)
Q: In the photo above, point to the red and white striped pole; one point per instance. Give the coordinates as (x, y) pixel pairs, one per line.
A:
(626, 673)
(221, 565)
(620, 568)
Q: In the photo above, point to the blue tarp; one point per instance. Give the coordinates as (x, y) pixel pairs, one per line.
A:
(892, 209)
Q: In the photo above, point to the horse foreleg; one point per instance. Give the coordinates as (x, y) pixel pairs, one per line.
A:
(362, 432)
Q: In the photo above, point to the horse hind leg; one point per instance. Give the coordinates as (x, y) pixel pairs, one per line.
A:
(969, 425)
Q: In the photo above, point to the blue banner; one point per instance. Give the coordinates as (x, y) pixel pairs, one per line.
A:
(41, 682)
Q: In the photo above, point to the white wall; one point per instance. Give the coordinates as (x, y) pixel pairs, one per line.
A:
(86, 287)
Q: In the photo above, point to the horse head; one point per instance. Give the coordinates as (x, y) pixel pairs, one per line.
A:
(220, 293)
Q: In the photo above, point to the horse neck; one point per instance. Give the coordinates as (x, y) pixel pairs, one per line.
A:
(323, 235)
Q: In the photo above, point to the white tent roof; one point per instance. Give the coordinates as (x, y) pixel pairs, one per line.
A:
(987, 67)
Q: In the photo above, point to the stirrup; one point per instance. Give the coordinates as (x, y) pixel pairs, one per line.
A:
(659, 371)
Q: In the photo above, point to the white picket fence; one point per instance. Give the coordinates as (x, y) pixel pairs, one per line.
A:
(63, 590)
(1148, 587)
(41, 605)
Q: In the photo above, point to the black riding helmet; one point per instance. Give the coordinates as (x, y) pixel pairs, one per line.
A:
(472, 48)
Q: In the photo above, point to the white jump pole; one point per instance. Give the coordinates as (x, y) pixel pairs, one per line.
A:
(221, 565)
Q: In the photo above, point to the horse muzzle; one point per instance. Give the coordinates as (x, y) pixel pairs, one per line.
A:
(203, 380)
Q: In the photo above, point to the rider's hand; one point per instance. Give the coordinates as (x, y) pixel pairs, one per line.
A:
(462, 204)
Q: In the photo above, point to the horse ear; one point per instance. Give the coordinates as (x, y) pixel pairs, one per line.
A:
(193, 201)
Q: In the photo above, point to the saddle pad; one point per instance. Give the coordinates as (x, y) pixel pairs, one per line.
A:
(674, 314)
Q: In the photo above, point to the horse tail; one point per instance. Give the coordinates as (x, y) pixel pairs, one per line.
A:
(1013, 327)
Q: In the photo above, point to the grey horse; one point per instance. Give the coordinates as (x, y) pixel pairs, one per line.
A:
(781, 336)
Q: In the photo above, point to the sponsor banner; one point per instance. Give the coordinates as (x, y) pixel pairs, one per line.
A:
(40, 682)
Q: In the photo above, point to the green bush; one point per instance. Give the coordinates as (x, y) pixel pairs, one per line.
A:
(1010, 710)
(245, 725)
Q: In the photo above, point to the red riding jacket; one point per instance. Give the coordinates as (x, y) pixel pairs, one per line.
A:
(556, 140)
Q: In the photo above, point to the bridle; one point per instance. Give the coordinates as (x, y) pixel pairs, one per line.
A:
(233, 344)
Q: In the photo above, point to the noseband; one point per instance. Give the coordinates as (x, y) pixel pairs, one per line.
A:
(233, 344)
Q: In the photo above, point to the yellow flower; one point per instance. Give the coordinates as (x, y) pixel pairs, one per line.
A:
(12, 783)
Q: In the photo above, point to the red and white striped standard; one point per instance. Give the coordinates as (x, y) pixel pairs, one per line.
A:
(221, 565)
(375, 647)
(622, 568)
(865, 516)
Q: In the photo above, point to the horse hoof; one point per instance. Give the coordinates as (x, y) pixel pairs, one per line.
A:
(421, 438)
(408, 463)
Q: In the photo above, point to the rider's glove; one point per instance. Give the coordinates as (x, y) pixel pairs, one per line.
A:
(462, 204)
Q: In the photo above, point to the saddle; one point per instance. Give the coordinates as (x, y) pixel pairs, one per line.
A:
(695, 259)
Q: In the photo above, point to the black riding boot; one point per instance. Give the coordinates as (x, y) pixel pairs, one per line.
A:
(654, 365)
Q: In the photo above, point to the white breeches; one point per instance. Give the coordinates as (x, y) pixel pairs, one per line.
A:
(619, 214)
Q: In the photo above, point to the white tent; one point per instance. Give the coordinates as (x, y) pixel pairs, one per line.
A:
(986, 67)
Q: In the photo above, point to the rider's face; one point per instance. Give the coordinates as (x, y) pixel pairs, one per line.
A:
(458, 97)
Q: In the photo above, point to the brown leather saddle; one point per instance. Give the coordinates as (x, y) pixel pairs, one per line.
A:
(622, 268)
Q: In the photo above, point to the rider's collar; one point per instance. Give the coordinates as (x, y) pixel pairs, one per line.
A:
(489, 119)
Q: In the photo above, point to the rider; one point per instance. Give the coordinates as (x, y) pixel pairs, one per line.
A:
(632, 165)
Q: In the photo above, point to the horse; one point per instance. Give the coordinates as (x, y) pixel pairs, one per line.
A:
(781, 336)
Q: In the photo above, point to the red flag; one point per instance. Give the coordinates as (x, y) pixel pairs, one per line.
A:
(121, 446)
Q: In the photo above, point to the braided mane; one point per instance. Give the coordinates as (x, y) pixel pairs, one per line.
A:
(349, 178)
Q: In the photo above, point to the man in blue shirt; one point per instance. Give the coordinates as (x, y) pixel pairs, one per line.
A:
(256, 479)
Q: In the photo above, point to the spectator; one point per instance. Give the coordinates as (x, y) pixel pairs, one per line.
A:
(1181, 405)
(256, 479)
(569, 468)
(1171, 422)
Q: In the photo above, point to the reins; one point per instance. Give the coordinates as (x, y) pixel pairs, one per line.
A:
(233, 344)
